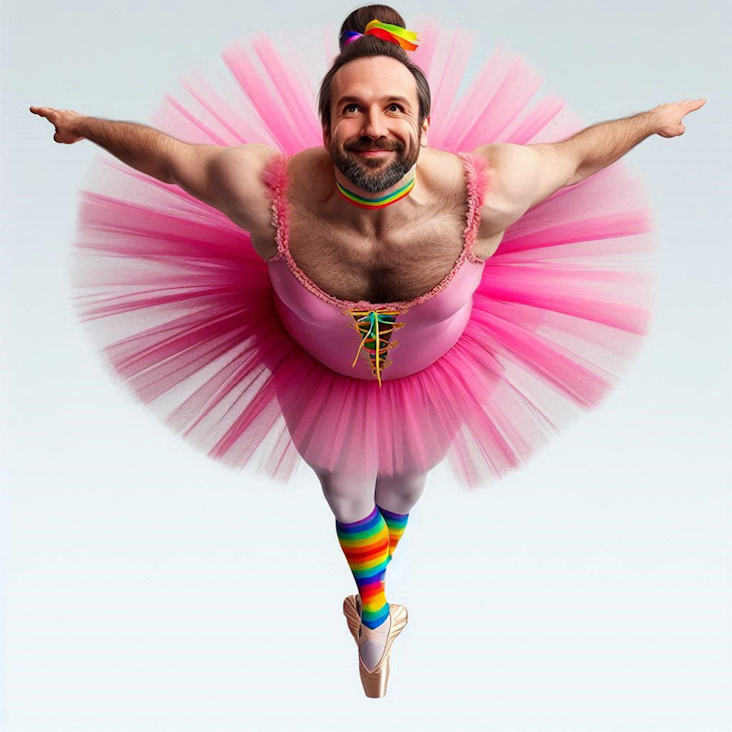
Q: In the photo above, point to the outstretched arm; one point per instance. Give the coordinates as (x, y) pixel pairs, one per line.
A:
(599, 146)
(139, 146)
(523, 176)
(226, 178)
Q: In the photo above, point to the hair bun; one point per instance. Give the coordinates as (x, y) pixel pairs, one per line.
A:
(389, 32)
(356, 23)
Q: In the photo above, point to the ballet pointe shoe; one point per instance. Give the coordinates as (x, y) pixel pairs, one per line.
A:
(375, 680)
(352, 611)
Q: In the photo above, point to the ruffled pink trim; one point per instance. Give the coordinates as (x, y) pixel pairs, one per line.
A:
(477, 180)
(275, 177)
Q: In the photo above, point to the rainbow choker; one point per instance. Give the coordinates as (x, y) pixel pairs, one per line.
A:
(362, 202)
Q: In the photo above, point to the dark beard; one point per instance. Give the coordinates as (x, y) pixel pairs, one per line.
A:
(373, 175)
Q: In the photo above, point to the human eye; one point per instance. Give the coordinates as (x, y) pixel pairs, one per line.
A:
(398, 106)
(347, 107)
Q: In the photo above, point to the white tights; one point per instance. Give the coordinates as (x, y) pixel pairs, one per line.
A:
(351, 499)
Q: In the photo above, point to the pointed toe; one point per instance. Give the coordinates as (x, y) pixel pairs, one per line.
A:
(375, 680)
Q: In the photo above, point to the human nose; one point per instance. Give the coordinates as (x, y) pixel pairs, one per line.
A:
(373, 125)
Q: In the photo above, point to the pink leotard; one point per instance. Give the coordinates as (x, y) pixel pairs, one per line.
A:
(339, 332)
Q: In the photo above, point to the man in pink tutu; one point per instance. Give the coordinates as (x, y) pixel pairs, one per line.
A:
(376, 235)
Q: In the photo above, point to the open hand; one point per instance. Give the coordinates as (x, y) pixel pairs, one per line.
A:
(669, 116)
(63, 120)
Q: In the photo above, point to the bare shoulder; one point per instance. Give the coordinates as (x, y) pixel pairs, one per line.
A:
(443, 173)
(240, 173)
(446, 176)
(449, 176)
(310, 173)
(522, 176)
(238, 176)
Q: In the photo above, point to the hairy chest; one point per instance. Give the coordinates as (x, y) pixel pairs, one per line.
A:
(400, 264)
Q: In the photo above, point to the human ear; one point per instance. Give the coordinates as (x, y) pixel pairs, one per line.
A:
(425, 131)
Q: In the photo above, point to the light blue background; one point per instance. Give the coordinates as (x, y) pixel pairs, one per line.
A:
(145, 587)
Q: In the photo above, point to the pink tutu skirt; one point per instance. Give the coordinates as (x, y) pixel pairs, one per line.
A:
(181, 307)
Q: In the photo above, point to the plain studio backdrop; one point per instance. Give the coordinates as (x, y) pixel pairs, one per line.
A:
(146, 587)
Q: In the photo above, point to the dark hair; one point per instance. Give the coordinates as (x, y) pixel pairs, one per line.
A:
(372, 46)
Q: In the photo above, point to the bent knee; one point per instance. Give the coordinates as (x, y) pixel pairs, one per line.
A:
(398, 493)
(350, 498)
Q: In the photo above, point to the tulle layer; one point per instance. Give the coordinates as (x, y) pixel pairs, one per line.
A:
(182, 308)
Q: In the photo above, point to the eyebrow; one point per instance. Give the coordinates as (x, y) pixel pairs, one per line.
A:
(389, 98)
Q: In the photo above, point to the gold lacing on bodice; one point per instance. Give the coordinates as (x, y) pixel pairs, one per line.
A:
(376, 327)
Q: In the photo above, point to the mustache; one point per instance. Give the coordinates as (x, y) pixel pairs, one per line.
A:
(371, 147)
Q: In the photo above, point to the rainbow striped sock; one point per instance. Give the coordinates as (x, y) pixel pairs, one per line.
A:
(366, 546)
(396, 522)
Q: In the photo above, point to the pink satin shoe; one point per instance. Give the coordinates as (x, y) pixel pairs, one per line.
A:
(374, 681)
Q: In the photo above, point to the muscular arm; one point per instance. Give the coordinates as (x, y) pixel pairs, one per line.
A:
(524, 175)
(521, 176)
(600, 145)
(226, 178)
(139, 146)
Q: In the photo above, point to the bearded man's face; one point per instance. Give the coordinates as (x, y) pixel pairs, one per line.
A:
(375, 135)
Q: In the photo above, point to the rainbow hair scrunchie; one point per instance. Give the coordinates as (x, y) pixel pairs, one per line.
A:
(393, 33)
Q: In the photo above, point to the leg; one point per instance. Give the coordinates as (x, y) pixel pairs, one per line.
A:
(349, 498)
(395, 496)
(364, 538)
(398, 493)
